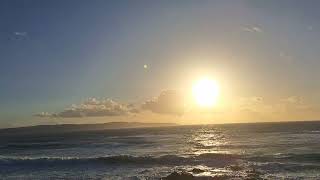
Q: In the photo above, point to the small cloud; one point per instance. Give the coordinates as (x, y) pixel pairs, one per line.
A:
(310, 28)
(93, 107)
(168, 102)
(43, 114)
(250, 101)
(20, 33)
(132, 108)
(252, 29)
(257, 99)
(295, 103)
(292, 99)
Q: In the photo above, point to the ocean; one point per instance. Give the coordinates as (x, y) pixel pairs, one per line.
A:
(229, 151)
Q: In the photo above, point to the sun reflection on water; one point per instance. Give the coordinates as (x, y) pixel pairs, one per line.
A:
(209, 141)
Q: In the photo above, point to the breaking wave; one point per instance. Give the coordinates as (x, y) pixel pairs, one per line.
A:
(208, 158)
(307, 157)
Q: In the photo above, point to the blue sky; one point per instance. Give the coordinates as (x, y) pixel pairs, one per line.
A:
(57, 53)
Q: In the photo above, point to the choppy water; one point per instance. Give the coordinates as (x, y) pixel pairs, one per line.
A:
(237, 151)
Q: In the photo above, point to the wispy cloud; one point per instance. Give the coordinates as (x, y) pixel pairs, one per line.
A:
(290, 104)
(292, 100)
(252, 29)
(286, 57)
(43, 114)
(20, 33)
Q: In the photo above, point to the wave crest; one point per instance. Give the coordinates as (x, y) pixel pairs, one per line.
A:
(208, 158)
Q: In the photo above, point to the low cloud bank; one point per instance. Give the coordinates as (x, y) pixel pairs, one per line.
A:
(93, 108)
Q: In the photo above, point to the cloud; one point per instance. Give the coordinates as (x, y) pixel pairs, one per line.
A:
(286, 57)
(292, 99)
(295, 103)
(249, 102)
(168, 102)
(290, 105)
(43, 114)
(252, 29)
(93, 108)
(20, 33)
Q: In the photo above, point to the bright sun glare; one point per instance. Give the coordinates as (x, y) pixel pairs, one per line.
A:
(206, 92)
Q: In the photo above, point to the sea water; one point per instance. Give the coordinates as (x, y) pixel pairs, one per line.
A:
(230, 151)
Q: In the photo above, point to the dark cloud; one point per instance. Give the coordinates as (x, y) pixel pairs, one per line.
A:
(93, 108)
(168, 102)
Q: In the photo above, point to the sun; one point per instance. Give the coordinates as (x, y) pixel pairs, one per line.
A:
(205, 92)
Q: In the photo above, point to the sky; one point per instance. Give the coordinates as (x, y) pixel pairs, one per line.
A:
(80, 61)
